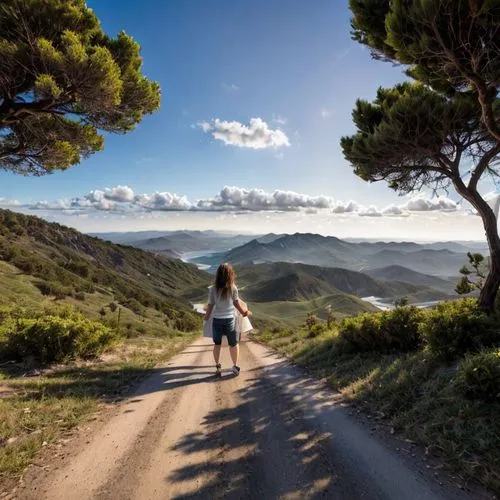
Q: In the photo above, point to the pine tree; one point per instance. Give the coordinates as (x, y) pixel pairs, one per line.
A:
(429, 133)
(62, 80)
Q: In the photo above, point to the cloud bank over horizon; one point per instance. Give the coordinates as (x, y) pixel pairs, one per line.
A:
(122, 199)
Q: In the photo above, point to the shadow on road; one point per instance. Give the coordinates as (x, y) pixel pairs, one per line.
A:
(261, 448)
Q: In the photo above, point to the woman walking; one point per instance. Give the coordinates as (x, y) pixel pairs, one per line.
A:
(222, 300)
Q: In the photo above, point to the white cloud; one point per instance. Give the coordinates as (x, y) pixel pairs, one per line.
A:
(422, 203)
(230, 87)
(163, 201)
(279, 156)
(235, 198)
(325, 113)
(280, 120)
(119, 193)
(392, 210)
(62, 204)
(371, 211)
(345, 208)
(123, 199)
(205, 126)
(256, 135)
(5, 202)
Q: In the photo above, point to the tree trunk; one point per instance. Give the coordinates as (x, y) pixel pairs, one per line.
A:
(491, 285)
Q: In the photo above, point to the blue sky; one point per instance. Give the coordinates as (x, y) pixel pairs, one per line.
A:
(292, 64)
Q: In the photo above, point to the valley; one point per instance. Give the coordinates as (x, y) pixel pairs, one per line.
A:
(285, 277)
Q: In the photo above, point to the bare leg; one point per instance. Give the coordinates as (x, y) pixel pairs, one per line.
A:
(217, 353)
(235, 354)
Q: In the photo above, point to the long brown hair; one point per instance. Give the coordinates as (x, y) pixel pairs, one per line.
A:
(224, 279)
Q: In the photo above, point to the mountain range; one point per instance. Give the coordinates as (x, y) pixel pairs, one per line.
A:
(328, 251)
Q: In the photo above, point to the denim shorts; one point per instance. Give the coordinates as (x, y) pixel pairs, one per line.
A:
(224, 326)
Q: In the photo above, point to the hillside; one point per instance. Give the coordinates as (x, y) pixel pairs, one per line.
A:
(400, 273)
(63, 263)
(294, 313)
(285, 281)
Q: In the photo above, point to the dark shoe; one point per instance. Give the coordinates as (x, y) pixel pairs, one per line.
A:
(236, 370)
(218, 372)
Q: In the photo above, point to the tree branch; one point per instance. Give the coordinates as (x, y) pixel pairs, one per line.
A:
(483, 165)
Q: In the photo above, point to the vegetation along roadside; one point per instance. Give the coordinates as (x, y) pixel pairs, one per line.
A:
(433, 375)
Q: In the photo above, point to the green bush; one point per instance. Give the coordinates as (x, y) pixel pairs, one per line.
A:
(388, 331)
(187, 322)
(456, 327)
(134, 306)
(479, 376)
(55, 289)
(317, 330)
(54, 338)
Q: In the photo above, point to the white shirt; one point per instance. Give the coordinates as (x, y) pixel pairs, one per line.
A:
(223, 307)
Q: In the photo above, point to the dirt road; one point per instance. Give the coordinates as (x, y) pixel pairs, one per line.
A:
(269, 433)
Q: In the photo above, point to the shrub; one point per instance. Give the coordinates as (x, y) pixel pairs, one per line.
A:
(388, 331)
(80, 296)
(134, 306)
(54, 338)
(317, 330)
(55, 289)
(187, 323)
(479, 376)
(311, 320)
(454, 328)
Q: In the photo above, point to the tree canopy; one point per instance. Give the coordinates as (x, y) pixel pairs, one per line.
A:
(62, 81)
(443, 128)
(411, 137)
(451, 45)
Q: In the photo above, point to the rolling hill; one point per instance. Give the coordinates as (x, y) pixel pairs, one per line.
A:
(67, 265)
(400, 273)
(294, 282)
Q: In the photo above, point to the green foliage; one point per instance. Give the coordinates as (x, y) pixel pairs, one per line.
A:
(388, 331)
(187, 323)
(428, 133)
(134, 306)
(54, 338)
(63, 80)
(54, 289)
(479, 376)
(401, 302)
(317, 330)
(311, 320)
(479, 270)
(452, 46)
(456, 327)
(408, 133)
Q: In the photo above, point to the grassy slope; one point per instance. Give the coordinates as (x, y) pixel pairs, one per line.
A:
(56, 254)
(416, 394)
(294, 313)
